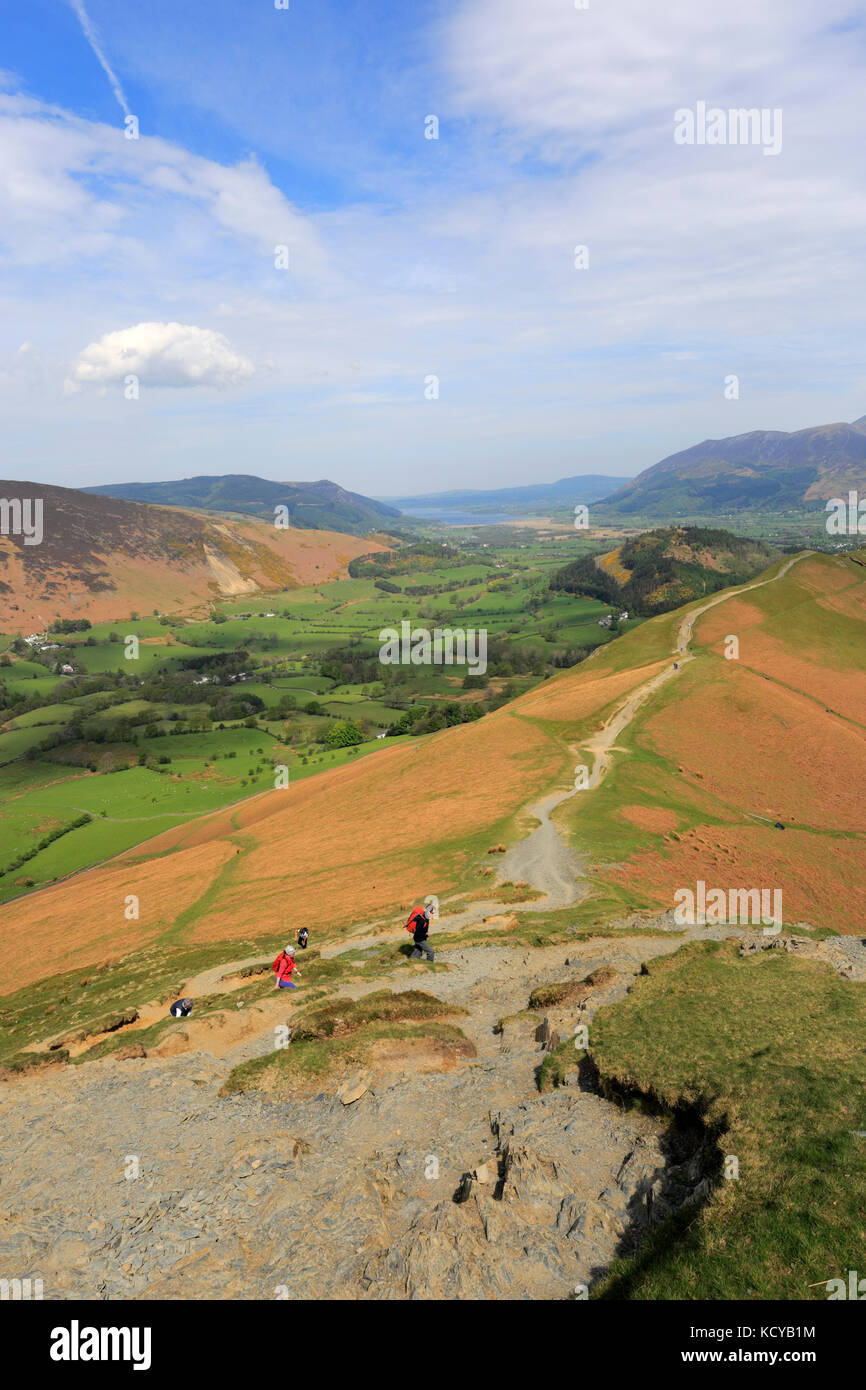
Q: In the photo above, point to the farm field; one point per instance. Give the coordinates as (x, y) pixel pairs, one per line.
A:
(157, 720)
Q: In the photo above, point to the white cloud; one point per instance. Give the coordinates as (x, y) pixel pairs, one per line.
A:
(162, 354)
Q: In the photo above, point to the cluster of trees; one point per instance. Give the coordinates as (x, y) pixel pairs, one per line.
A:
(71, 625)
(350, 665)
(426, 719)
(344, 734)
(225, 662)
(408, 560)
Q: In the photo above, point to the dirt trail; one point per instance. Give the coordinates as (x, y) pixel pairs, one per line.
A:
(543, 859)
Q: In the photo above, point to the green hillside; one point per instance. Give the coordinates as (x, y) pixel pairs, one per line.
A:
(321, 506)
(663, 569)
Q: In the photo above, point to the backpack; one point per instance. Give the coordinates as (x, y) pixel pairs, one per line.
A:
(277, 963)
(417, 912)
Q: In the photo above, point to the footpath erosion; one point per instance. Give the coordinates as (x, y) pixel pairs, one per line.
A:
(433, 1172)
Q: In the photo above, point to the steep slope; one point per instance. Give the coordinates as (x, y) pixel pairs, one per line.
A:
(769, 470)
(318, 506)
(707, 760)
(105, 557)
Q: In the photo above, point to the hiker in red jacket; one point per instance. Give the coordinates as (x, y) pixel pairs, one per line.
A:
(284, 967)
(419, 925)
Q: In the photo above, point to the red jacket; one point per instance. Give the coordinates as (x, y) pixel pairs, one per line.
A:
(284, 965)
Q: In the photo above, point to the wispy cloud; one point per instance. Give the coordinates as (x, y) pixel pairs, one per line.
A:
(93, 39)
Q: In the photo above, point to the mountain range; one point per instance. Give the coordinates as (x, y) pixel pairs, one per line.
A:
(763, 470)
(312, 506)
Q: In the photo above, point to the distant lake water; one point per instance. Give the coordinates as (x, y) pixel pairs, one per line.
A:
(454, 516)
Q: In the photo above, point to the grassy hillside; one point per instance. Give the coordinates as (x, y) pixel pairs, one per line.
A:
(758, 1054)
(738, 745)
(204, 713)
(727, 1038)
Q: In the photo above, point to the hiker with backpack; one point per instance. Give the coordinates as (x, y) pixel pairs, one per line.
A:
(181, 1008)
(419, 925)
(284, 967)
(303, 938)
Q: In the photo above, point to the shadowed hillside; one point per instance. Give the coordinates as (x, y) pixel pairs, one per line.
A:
(103, 558)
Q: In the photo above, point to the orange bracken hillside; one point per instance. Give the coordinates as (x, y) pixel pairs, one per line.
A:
(719, 753)
(775, 735)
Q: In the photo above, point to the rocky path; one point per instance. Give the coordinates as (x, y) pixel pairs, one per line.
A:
(134, 1179)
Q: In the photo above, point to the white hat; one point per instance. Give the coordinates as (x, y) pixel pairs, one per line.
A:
(290, 950)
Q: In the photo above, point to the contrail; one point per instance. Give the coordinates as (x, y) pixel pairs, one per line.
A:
(93, 39)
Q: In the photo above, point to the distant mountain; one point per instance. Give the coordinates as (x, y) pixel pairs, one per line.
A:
(104, 558)
(659, 570)
(567, 491)
(321, 506)
(766, 470)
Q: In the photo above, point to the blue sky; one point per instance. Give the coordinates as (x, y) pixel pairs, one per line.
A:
(409, 257)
